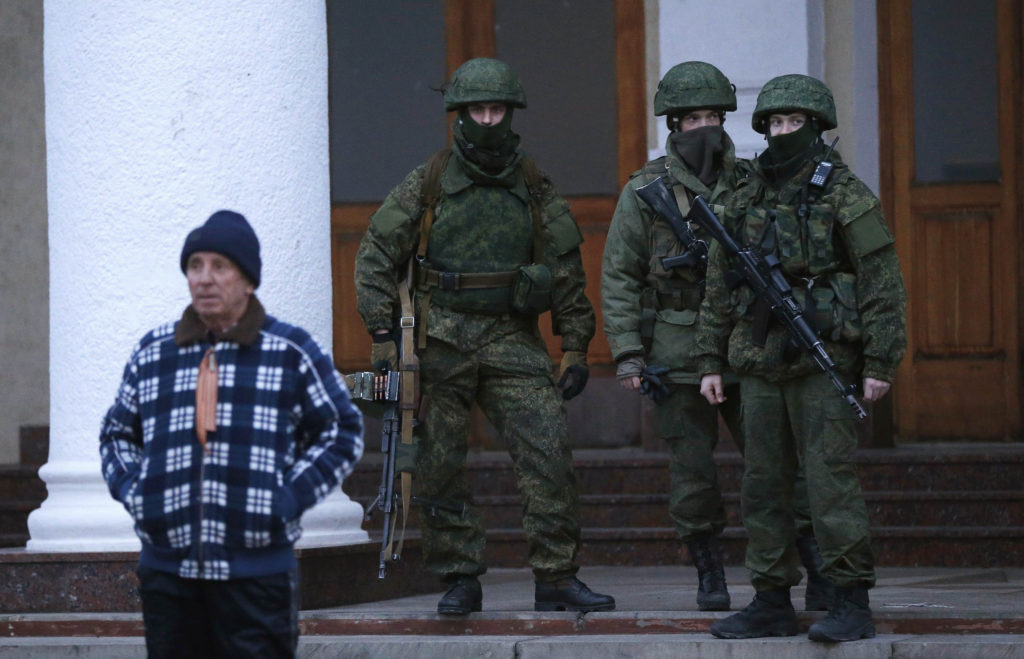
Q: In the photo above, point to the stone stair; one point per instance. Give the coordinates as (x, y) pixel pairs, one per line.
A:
(948, 505)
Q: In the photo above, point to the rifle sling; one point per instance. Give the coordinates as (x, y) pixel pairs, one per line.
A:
(409, 396)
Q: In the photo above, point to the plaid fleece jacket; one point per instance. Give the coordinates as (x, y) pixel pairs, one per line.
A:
(287, 433)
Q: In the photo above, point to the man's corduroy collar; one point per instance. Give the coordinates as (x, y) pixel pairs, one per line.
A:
(245, 332)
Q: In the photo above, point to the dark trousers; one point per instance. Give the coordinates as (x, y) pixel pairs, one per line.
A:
(194, 618)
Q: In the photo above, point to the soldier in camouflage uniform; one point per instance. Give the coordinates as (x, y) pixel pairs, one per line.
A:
(838, 254)
(500, 247)
(650, 316)
(650, 312)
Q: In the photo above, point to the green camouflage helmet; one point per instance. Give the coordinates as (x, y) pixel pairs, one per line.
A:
(794, 93)
(484, 80)
(694, 86)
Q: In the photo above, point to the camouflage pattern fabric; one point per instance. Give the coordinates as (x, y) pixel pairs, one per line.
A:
(794, 92)
(497, 360)
(511, 379)
(689, 426)
(802, 420)
(792, 414)
(693, 86)
(635, 245)
(394, 233)
(685, 421)
(483, 79)
(858, 246)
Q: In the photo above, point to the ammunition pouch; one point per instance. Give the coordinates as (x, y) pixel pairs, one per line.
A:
(831, 305)
(676, 298)
(531, 291)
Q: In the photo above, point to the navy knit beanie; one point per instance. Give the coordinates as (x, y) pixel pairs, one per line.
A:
(227, 233)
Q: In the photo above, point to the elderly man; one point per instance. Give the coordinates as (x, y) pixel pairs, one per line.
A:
(227, 426)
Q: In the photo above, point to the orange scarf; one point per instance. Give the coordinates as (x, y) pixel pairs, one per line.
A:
(206, 396)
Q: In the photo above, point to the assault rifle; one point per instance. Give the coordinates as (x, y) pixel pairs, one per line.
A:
(376, 392)
(763, 273)
(696, 254)
(380, 394)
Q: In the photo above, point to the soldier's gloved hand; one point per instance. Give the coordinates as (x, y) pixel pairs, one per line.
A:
(573, 374)
(628, 372)
(652, 383)
(384, 352)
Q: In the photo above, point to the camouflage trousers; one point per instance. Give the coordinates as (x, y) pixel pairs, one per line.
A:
(689, 426)
(511, 379)
(802, 422)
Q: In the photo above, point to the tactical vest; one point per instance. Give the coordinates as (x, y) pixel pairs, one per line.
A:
(679, 288)
(802, 230)
(474, 244)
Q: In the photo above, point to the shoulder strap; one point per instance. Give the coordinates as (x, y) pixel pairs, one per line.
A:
(533, 178)
(430, 192)
(652, 169)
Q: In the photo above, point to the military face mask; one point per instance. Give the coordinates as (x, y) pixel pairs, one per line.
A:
(790, 145)
(485, 137)
(701, 149)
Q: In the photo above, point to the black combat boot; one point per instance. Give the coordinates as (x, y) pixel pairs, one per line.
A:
(770, 614)
(712, 593)
(569, 594)
(849, 618)
(463, 596)
(819, 592)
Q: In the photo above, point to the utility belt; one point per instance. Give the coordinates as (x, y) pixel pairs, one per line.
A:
(456, 281)
(525, 291)
(676, 299)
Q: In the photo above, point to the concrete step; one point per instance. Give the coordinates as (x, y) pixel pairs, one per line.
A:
(941, 504)
(911, 546)
(918, 612)
(914, 468)
(529, 646)
(984, 508)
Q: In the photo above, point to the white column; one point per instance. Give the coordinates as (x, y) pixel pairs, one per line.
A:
(158, 114)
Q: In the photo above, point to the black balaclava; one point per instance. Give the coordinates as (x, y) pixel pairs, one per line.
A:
(493, 148)
(786, 154)
(701, 149)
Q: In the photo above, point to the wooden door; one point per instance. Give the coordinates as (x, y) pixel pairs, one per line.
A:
(950, 109)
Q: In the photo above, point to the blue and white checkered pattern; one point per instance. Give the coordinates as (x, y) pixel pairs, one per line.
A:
(284, 420)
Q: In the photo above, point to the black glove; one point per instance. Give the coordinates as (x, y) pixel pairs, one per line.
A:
(651, 383)
(574, 374)
(384, 352)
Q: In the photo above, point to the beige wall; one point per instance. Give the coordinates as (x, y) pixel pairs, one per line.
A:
(851, 72)
(24, 275)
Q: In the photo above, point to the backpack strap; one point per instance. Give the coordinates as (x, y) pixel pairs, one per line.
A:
(534, 180)
(430, 193)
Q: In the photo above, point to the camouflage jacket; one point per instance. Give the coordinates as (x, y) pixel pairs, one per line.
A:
(840, 259)
(632, 275)
(394, 233)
